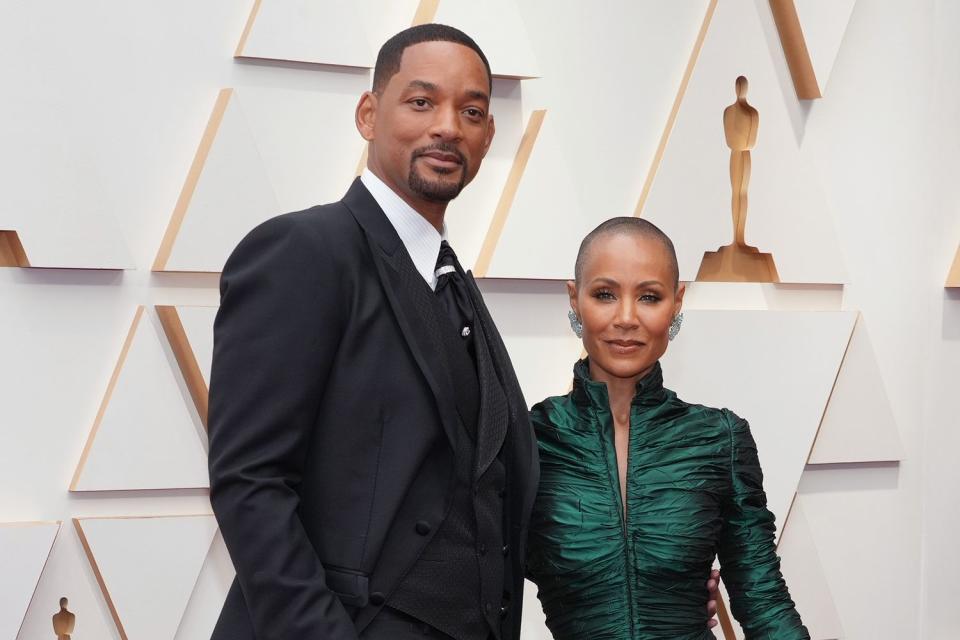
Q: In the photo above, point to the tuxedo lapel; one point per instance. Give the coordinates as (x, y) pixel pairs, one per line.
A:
(409, 297)
(516, 428)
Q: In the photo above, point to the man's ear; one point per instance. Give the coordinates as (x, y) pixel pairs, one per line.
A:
(492, 129)
(366, 115)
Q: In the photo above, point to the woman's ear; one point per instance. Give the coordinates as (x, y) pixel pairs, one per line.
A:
(678, 298)
(572, 292)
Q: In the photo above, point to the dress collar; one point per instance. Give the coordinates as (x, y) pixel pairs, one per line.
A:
(649, 389)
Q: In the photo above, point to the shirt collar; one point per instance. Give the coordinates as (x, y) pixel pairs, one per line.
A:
(419, 237)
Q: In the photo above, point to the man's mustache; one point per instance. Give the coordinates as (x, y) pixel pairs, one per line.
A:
(443, 147)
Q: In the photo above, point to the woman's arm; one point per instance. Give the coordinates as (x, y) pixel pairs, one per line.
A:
(749, 564)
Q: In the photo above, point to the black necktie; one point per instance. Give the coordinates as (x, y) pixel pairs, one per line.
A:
(452, 292)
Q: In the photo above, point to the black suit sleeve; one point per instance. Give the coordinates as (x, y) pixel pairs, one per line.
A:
(275, 337)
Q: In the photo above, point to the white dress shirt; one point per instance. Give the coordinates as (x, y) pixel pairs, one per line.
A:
(420, 238)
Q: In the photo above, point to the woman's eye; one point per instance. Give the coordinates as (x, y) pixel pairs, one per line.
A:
(649, 297)
(603, 295)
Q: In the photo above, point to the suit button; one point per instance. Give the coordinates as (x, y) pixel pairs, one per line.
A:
(423, 527)
(377, 598)
(503, 611)
(506, 549)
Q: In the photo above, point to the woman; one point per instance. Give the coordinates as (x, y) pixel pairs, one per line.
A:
(639, 490)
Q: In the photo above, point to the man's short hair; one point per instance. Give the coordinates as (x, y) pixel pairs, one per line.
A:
(628, 225)
(388, 60)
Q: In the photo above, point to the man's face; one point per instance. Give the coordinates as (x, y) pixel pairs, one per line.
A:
(430, 127)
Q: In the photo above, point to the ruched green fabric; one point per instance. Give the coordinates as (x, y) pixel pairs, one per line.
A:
(694, 492)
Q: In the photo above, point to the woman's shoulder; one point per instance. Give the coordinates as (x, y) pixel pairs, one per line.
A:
(721, 420)
(554, 413)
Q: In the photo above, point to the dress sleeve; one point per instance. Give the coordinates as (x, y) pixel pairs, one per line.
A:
(749, 565)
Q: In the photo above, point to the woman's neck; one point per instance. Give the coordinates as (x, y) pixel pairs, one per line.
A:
(620, 391)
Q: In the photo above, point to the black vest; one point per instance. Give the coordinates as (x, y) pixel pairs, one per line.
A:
(457, 584)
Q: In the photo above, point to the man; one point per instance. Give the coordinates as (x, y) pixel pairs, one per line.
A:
(371, 462)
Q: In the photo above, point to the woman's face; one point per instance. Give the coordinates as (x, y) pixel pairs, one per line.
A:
(626, 301)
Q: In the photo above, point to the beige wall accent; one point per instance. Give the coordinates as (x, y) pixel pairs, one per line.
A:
(490, 241)
(193, 177)
(426, 11)
(246, 29)
(99, 576)
(953, 278)
(186, 359)
(11, 250)
(795, 49)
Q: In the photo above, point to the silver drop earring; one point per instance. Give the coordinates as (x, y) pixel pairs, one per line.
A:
(675, 326)
(575, 323)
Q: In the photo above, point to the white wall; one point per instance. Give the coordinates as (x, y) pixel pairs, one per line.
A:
(104, 106)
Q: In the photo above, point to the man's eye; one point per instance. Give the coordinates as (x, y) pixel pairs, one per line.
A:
(474, 113)
(419, 102)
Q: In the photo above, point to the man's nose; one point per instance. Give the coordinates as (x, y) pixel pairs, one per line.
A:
(446, 124)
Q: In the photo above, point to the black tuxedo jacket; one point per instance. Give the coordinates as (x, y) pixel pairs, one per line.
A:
(332, 425)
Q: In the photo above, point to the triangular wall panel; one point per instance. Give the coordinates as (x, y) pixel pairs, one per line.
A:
(145, 435)
(24, 549)
(349, 33)
(787, 211)
(773, 368)
(147, 568)
(330, 32)
(858, 424)
(585, 169)
(803, 571)
(498, 27)
(265, 152)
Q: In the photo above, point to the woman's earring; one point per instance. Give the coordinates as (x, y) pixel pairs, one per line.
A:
(675, 326)
(575, 323)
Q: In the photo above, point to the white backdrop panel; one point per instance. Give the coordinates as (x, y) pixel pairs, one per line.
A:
(328, 32)
(858, 425)
(150, 567)
(149, 436)
(608, 85)
(24, 549)
(773, 368)
(691, 195)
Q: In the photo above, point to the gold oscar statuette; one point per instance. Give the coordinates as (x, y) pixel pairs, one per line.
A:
(738, 261)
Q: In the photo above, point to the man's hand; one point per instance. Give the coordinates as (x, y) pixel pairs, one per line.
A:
(712, 599)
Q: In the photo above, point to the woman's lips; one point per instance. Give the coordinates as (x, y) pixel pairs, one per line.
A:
(624, 346)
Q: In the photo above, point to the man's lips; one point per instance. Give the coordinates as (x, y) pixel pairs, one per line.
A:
(442, 159)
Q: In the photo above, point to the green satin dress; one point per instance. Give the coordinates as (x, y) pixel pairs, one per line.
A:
(694, 492)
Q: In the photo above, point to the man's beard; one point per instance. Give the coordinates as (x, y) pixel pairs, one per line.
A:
(436, 190)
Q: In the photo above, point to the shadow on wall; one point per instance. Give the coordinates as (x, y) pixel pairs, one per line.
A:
(951, 314)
